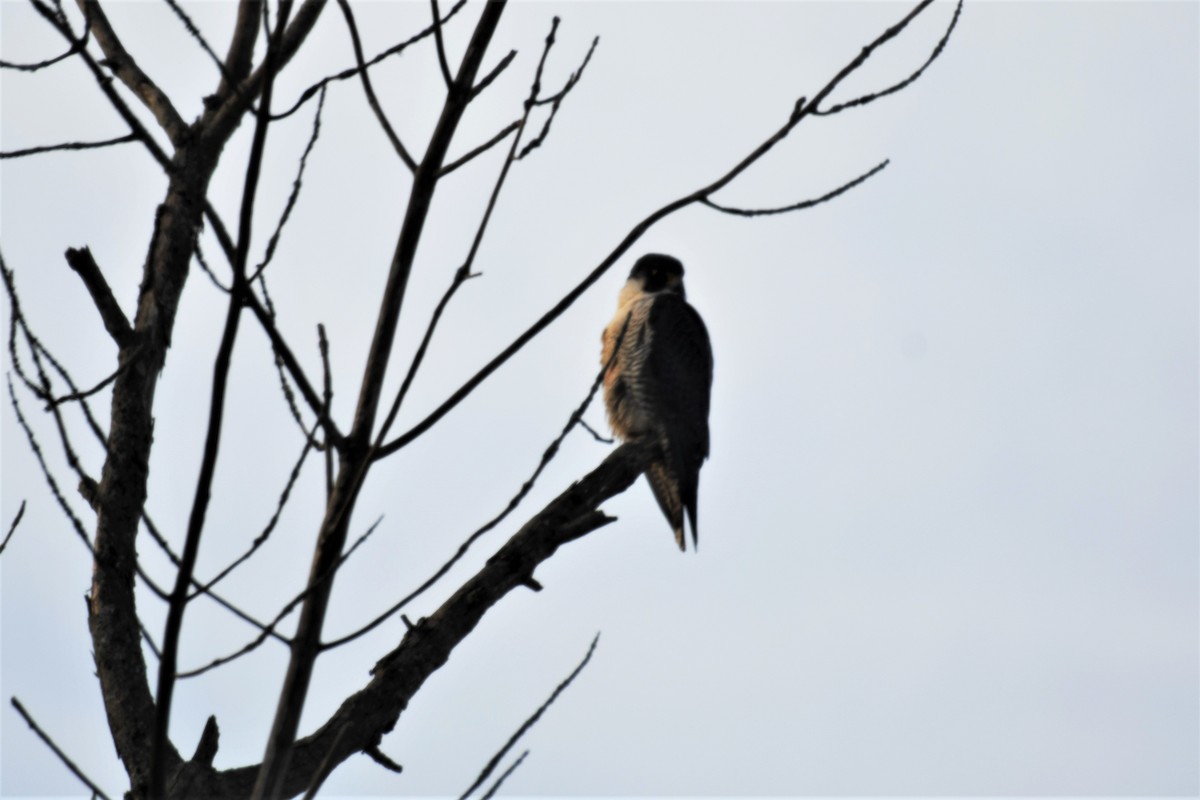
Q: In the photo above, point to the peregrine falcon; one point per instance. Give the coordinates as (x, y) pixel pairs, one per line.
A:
(658, 383)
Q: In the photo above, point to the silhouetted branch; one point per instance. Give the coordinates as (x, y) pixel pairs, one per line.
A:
(372, 100)
(75, 47)
(373, 710)
(595, 434)
(447, 78)
(760, 212)
(115, 322)
(346, 74)
(50, 148)
(161, 541)
(483, 148)
(269, 629)
(556, 100)
(382, 760)
(13, 527)
(208, 462)
(83, 395)
(486, 81)
(868, 98)
(46, 473)
(529, 723)
(495, 787)
(67, 762)
(118, 60)
(271, 523)
(266, 319)
(195, 34)
(295, 193)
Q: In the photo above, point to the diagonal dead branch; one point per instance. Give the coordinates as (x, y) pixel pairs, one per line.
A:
(529, 723)
(13, 527)
(555, 101)
(126, 68)
(115, 322)
(548, 455)
(374, 710)
(67, 762)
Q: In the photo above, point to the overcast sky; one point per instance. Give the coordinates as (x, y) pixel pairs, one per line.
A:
(949, 528)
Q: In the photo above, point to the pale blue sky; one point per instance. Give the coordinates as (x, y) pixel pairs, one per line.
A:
(949, 527)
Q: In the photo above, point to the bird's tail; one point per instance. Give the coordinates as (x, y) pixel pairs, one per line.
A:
(666, 492)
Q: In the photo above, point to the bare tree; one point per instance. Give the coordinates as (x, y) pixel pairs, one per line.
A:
(265, 40)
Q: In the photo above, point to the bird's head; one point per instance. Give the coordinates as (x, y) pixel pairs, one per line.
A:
(655, 273)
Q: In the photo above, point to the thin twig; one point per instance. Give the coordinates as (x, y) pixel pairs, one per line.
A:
(346, 74)
(487, 80)
(269, 629)
(441, 46)
(67, 762)
(295, 193)
(529, 723)
(762, 212)
(50, 148)
(868, 98)
(481, 149)
(595, 434)
(199, 37)
(271, 523)
(13, 527)
(556, 100)
(380, 758)
(372, 100)
(495, 787)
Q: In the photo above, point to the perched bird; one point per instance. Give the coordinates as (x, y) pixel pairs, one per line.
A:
(659, 380)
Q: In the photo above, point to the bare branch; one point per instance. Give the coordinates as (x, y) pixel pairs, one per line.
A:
(868, 98)
(556, 100)
(761, 212)
(495, 787)
(382, 760)
(332, 536)
(13, 527)
(103, 80)
(191, 547)
(495, 73)
(52, 148)
(271, 523)
(397, 145)
(481, 149)
(326, 767)
(123, 65)
(374, 710)
(346, 74)
(75, 47)
(529, 723)
(595, 434)
(269, 629)
(195, 33)
(295, 193)
(83, 395)
(115, 322)
(447, 78)
(67, 762)
(238, 57)
(284, 353)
